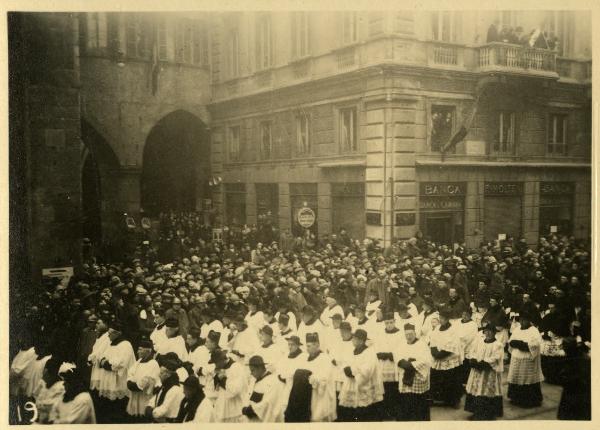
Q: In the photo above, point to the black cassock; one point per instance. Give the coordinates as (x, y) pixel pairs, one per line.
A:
(298, 409)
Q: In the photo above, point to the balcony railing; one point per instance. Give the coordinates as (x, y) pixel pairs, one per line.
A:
(445, 55)
(505, 56)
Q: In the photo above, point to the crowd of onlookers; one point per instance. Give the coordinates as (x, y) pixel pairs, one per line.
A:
(517, 36)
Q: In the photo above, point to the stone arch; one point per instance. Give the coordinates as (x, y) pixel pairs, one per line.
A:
(175, 164)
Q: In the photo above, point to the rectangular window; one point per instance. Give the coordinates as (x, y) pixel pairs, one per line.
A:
(557, 135)
(373, 218)
(442, 125)
(266, 140)
(190, 42)
(234, 143)
(445, 26)
(300, 34)
(264, 48)
(162, 39)
(302, 135)
(133, 35)
(350, 27)
(504, 141)
(96, 29)
(233, 47)
(348, 130)
(376, 23)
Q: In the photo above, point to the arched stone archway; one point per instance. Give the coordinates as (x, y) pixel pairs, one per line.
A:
(99, 191)
(175, 167)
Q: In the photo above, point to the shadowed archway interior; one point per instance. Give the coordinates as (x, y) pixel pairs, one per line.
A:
(175, 164)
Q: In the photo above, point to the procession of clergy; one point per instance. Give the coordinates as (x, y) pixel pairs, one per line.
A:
(371, 367)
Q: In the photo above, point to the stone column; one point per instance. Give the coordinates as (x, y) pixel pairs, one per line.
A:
(531, 205)
(251, 217)
(324, 212)
(284, 207)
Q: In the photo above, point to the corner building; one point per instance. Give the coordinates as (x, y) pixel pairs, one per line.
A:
(346, 113)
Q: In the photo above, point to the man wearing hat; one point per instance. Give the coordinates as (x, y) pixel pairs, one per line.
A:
(362, 388)
(320, 364)
(142, 377)
(115, 362)
(229, 388)
(292, 361)
(331, 309)
(264, 404)
(332, 331)
(180, 314)
(446, 381)
(254, 317)
(413, 359)
(385, 342)
(270, 352)
(284, 331)
(484, 386)
(243, 343)
(158, 335)
(311, 324)
(164, 405)
(173, 342)
(525, 371)
(341, 349)
(426, 317)
(209, 323)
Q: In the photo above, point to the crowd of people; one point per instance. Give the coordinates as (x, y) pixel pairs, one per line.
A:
(517, 36)
(243, 329)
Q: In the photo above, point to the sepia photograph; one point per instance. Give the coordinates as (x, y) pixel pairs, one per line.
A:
(298, 215)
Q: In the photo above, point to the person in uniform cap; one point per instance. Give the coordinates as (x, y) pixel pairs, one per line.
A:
(413, 359)
(484, 386)
(362, 375)
(115, 362)
(385, 343)
(446, 380)
(142, 377)
(265, 401)
(525, 370)
(174, 342)
(228, 388)
(164, 405)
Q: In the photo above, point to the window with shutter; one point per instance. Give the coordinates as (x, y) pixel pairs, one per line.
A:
(350, 27)
(162, 39)
(557, 135)
(264, 46)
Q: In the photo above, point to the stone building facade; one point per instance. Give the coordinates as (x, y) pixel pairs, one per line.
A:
(345, 113)
(246, 113)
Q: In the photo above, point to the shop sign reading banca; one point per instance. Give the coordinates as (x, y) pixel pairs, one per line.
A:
(443, 189)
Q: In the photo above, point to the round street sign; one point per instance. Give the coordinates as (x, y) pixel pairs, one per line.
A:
(306, 217)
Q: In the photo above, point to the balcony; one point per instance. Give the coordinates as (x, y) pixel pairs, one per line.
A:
(509, 58)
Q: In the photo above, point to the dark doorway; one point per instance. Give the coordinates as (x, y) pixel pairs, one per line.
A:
(439, 229)
(91, 200)
(175, 169)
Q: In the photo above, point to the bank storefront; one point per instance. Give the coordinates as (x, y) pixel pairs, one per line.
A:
(556, 207)
(442, 211)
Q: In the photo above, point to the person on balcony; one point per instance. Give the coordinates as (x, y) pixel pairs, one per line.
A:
(493, 33)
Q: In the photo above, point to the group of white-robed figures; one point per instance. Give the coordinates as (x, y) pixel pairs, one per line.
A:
(263, 370)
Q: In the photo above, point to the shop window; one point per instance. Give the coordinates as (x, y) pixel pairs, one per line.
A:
(348, 130)
(373, 218)
(557, 134)
(302, 135)
(266, 140)
(442, 124)
(234, 143)
(300, 34)
(505, 133)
